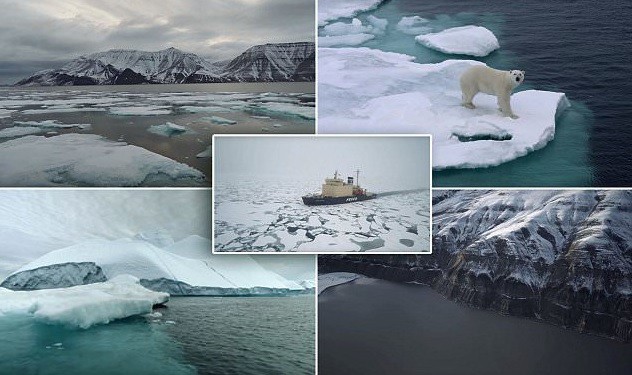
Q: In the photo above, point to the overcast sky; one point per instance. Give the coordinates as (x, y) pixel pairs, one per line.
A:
(46, 33)
(385, 163)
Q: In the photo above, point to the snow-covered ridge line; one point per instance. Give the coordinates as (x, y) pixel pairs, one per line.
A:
(262, 63)
(558, 256)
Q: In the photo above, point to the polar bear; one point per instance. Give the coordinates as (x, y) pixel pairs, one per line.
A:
(490, 81)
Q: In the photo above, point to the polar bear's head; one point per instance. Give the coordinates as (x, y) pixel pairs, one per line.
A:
(516, 76)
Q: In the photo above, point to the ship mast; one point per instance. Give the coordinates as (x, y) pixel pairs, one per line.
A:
(358, 177)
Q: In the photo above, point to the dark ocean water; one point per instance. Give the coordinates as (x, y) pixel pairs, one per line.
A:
(373, 326)
(581, 48)
(194, 335)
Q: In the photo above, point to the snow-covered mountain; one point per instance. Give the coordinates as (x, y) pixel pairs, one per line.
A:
(273, 62)
(183, 268)
(561, 256)
(270, 62)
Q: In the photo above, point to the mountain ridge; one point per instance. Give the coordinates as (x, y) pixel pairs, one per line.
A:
(272, 62)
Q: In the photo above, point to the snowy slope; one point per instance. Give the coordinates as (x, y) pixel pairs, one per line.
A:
(560, 256)
(270, 62)
(85, 305)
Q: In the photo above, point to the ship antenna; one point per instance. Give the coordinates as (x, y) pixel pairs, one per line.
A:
(336, 174)
(358, 177)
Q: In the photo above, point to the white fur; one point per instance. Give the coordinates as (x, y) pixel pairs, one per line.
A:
(490, 81)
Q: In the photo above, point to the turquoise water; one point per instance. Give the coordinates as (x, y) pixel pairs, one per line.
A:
(195, 335)
(581, 54)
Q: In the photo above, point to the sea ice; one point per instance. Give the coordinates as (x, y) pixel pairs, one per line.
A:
(5, 113)
(51, 124)
(329, 10)
(85, 305)
(19, 131)
(199, 109)
(220, 120)
(140, 110)
(327, 280)
(207, 153)
(87, 160)
(341, 28)
(344, 40)
(283, 109)
(62, 109)
(168, 129)
(464, 40)
(370, 91)
(413, 25)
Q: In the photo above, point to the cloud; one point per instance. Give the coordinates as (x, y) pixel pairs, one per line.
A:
(54, 30)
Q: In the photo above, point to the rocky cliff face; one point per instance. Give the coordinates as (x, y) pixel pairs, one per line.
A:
(270, 62)
(561, 256)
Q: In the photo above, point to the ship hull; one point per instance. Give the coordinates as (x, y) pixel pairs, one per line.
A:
(315, 200)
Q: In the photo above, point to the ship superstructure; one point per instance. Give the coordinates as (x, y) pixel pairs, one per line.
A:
(336, 191)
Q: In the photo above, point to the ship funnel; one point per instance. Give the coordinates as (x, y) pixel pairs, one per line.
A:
(350, 180)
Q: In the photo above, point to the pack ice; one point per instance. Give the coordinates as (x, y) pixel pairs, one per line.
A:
(88, 160)
(464, 40)
(369, 91)
(182, 268)
(85, 305)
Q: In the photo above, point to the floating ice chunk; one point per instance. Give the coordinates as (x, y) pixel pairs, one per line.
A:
(85, 305)
(87, 160)
(19, 131)
(51, 124)
(328, 280)
(379, 24)
(168, 129)
(344, 40)
(219, 120)
(413, 25)
(329, 10)
(341, 28)
(464, 40)
(284, 109)
(261, 117)
(276, 125)
(388, 92)
(198, 109)
(207, 153)
(264, 241)
(62, 109)
(140, 110)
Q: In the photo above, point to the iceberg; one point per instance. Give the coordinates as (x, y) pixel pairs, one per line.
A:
(329, 10)
(186, 267)
(465, 40)
(85, 305)
(364, 90)
(88, 160)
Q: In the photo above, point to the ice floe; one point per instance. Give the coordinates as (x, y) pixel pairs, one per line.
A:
(207, 153)
(370, 91)
(19, 131)
(85, 305)
(413, 25)
(329, 10)
(51, 124)
(219, 120)
(140, 110)
(168, 129)
(344, 40)
(283, 109)
(63, 109)
(465, 40)
(88, 160)
(6, 113)
(351, 34)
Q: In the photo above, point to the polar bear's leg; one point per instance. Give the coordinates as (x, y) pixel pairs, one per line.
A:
(467, 95)
(504, 103)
